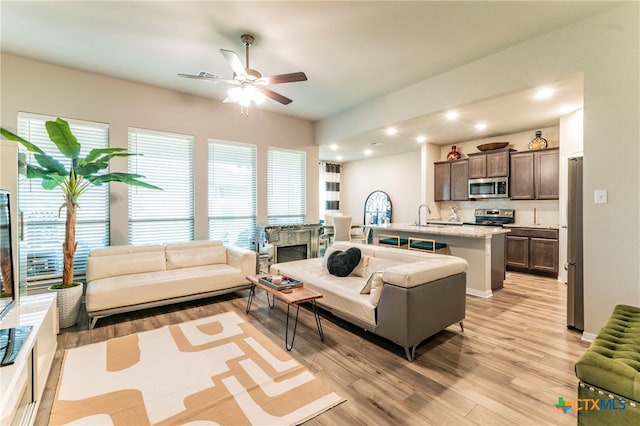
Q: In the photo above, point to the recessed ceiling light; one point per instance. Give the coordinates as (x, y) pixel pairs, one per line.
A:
(544, 93)
(333, 147)
(391, 130)
(367, 152)
(481, 126)
(339, 158)
(421, 138)
(452, 115)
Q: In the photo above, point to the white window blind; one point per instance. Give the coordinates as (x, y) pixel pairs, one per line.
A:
(165, 216)
(232, 193)
(43, 228)
(286, 186)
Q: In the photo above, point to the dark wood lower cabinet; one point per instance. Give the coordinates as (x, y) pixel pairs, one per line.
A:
(532, 250)
(544, 255)
(517, 251)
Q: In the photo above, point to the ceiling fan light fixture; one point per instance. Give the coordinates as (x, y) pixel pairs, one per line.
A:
(249, 84)
(245, 95)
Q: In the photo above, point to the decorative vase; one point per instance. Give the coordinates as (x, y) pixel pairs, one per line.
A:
(68, 300)
(453, 155)
(538, 142)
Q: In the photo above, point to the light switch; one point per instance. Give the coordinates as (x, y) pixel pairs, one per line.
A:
(600, 196)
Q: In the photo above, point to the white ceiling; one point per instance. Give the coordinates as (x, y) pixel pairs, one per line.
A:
(352, 52)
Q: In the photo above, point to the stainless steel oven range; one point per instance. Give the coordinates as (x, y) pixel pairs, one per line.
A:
(493, 217)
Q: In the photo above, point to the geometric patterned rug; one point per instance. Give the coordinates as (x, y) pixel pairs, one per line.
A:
(214, 370)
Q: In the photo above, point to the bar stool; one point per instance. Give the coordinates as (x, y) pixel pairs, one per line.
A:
(426, 244)
(391, 240)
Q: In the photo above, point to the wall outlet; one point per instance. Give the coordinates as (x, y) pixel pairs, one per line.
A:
(600, 196)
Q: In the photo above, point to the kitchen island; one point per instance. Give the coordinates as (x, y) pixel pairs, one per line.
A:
(481, 246)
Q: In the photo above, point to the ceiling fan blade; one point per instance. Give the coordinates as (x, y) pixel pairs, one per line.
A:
(202, 75)
(275, 96)
(206, 76)
(234, 61)
(282, 78)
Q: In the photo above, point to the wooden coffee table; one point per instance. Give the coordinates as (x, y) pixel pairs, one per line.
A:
(295, 297)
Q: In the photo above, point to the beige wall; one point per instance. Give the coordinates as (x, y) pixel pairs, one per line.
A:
(37, 87)
(397, 175)
(605, 49)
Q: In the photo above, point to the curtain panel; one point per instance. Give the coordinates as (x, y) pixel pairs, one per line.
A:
(329, 188)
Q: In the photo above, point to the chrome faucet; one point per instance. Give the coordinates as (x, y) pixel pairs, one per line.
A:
(419, 209)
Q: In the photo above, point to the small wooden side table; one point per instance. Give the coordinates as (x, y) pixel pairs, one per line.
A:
(297, 296)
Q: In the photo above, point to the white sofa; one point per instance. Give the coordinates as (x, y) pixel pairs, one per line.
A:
(411, 295)
(127, 278)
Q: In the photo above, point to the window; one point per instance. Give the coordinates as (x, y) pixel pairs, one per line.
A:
(232, 193)
(43, 228)
(157, 217)
(286, 186)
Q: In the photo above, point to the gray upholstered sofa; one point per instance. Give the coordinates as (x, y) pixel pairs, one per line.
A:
(404, 296)
(127, 278)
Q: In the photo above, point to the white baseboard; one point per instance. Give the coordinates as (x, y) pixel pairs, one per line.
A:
(479, 293)
(588, 337)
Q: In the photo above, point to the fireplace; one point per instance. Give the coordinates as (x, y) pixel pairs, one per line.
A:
(291, 253)
(286, 243)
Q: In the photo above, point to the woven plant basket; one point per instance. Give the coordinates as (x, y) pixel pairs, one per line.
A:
(68, 301)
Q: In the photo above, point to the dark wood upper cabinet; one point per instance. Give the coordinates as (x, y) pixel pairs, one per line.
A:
(489, 164)
(547, 171)
(460, 180)
(534, 175)
(521, 186)
(442, 181)
(498, 163)
(451, 180)
(477, 166)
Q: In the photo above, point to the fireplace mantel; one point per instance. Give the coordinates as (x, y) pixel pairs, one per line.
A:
(280, 236)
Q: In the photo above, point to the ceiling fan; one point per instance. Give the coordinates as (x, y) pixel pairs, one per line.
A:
(250, 84)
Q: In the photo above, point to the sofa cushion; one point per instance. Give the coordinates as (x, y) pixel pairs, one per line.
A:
(362, 268)
(377, 264)
(195, 244)
(124, 264)
(133, 289)
(433, 268)
(126, 249)
(188, 257)
(342, 263)
(376, 288)
(365, 249)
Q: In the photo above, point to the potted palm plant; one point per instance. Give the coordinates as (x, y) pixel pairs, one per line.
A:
(83, 173)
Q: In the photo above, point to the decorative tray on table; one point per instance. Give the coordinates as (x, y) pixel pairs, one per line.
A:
(285, 283)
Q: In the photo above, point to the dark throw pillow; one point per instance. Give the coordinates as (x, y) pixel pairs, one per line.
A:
(342, 263)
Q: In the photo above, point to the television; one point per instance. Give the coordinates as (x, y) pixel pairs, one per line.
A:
(7, 276)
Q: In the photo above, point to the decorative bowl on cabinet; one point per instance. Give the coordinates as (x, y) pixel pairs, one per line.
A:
(492, 145)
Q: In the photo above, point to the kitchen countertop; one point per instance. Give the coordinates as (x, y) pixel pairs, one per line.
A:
(530, 225)
(468, 231)
(443, 222)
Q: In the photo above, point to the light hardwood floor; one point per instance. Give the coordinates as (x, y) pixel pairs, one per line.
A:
(509, 366)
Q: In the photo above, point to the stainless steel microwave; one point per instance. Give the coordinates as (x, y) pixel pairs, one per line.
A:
(489, 188)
